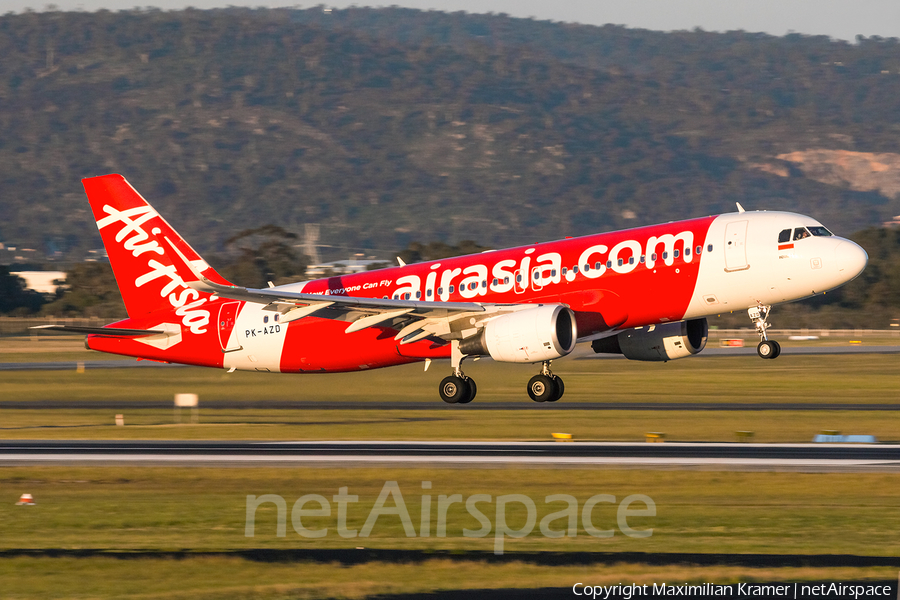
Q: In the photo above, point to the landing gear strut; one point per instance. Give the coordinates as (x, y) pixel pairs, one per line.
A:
(760, 316)
(460, 389)
(546, 387)
(457, 388)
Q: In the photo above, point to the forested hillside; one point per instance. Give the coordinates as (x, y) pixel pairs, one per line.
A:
(391, 126)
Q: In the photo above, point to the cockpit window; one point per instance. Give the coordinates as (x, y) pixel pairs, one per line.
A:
(800, 233)
(818, 230)
(784, 236)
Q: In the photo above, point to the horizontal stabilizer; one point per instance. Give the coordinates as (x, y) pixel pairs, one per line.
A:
(112, 331)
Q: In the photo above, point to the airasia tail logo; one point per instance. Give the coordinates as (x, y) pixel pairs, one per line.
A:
(184, 300)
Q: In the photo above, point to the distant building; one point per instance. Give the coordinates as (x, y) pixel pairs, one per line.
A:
(356, 264)
(41, 281)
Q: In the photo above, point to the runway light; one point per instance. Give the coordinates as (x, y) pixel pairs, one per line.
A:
(655, 437)
(120, 420)
(25, 500)
(562, 437)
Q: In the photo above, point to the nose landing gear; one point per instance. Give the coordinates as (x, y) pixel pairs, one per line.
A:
(760, 316)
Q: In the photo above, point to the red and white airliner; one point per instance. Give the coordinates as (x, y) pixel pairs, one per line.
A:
(644, 293)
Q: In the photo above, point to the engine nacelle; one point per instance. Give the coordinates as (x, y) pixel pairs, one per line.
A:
(526, 336)
(657, 342)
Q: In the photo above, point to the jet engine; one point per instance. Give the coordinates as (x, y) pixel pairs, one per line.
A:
(545, 332)
(657, 342)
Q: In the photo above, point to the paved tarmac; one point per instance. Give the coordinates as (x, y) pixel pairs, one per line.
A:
(678, 455)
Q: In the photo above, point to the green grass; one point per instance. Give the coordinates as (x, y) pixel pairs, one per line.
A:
(159, 510)
(213, 578)
(203, 509)
(790, 379)
(846, 379)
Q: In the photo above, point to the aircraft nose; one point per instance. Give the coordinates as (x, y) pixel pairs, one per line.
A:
(851, 259)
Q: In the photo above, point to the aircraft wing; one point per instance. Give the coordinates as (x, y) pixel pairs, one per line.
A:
(415, 320)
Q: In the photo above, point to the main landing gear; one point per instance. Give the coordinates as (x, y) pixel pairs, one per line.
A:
(460, 389)
(760, 316)
(457, 388)
(546, 387)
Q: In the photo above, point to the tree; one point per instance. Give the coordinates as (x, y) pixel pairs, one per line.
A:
(265, 254)
(89, 290)
(15, 297)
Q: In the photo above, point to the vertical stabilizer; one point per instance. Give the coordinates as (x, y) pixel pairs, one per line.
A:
(133, 234)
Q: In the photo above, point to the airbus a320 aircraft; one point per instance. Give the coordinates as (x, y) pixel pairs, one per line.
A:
(644, 293)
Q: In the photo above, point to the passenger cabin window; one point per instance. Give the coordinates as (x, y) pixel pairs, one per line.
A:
(698, 250)
(687, 252)
(800, 233)
(784, 236)
(818, 230)
(676, 253)
(709, 248)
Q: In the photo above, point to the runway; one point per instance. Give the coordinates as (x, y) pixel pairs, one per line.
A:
(712, 456)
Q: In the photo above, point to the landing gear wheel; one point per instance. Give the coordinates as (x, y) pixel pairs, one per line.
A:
(768, 349)
(473, 389)
(560, 388)
(455, 390)
(760, 316)
(542, 388)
